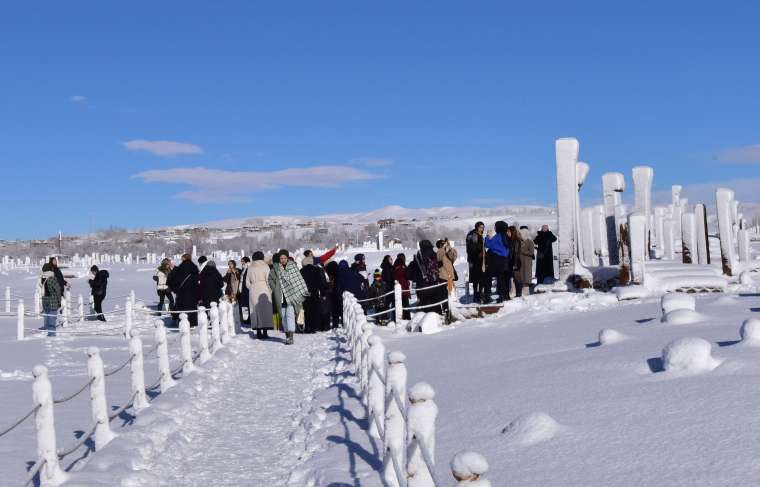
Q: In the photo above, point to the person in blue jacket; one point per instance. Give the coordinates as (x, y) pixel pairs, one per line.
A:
(497, 247)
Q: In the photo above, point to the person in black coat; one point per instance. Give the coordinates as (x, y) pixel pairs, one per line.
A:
(183, 281)
(544, 254)
(316, 283)
(244, 293)
(334, 300)
(387, 271)
(53, 261)
(475, 254)
(210, 282)
(98, 288)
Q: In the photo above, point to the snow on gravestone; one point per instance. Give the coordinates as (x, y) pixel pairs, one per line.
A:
(468, 467)
(613, 183)
(750, 332)
(566, 152)
(673, 301)
(531, 429)
(689, 354)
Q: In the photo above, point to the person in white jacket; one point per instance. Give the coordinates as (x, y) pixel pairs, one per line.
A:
(162, 288)
(259, 295)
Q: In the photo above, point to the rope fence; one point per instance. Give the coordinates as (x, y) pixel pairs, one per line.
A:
(405, 431)
(47, 469)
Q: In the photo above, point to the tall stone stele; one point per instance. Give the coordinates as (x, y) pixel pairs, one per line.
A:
(723, 200)
(566, 151)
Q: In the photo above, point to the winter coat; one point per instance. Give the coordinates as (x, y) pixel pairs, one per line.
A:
(498, 245)
(474, 248)
(315, 280)
(232, 283)
(544, 255)
(399, 274)
(259, 295)
(387, 269)
(99, 284)
(347, 280)
(210, 284)
(161, 277)
(322, 259)
(525, 274)
(446, 257)
(183, 281)
(51, 298)
(513, 260)
(376, 290)
(424, 268)
(287, 284)
(59, 277)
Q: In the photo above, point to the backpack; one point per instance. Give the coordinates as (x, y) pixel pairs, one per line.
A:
(428, 269)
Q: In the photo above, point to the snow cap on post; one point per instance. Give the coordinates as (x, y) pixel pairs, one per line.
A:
(396, 357)
(421, 391)
(468, 465)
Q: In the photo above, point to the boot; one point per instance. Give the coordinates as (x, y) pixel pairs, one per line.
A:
(265, 334)
(258, 333)
(289, 338)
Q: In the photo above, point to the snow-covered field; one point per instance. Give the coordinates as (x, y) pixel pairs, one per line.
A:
(531, 388)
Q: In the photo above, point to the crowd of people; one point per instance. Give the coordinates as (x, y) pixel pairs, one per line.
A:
(279, 293)
(505, 255)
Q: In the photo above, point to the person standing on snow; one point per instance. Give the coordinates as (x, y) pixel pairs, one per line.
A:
(183, 281)
(51, 298)
(424, 272)
(58, 274)
(399, 275)
(446, 256)
(512, 272)
(288, 291)
(98, 287)
(162, 288)
(527, 250)
(497, 245)
(544, 254)
(475, 254)
(316, 283)
(377, 292)
(210, 282)
(259, 296)
(243, 294)
(387, 269)
(232, 282)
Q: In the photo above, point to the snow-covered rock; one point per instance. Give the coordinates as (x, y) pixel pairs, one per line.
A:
(688, 354)
(630, 292)
(531, 429)
(429, 324)
(750, 332)
(682, 317)
(673, 301)
(608, 336)
(745, 278)
(414, 323)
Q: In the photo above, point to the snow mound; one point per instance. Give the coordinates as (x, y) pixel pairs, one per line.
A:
(682, 317)
(467, 465)
(688, 355)
(725, 301)
(602, 299)
(396, 357)
(429, 324)
(673, 301)
(745, 278)
(608, 336)
(414, 323)
(631, 292)
(750, 332)
(531, 429)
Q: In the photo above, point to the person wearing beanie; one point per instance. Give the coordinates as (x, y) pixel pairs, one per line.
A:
(98, 286)
(210, 283)
(259, 296)
(379, 302)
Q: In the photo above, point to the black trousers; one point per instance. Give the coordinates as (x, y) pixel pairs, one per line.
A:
(98, 304)
(165, 294)
(496, 266)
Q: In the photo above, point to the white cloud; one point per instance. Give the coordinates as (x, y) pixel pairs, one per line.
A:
(745, 154)
(219, 186)
(78, 99)
(164, 148)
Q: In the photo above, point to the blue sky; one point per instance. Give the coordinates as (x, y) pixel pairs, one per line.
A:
(144, 114)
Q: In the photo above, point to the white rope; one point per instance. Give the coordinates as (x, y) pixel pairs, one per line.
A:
(444, 283)
(427, 305)
(375, 298)
(381, 313)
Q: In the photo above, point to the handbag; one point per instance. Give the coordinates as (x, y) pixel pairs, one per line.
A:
(301, 318)
(245, 313)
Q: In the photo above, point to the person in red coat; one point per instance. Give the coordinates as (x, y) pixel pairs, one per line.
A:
(399, 275)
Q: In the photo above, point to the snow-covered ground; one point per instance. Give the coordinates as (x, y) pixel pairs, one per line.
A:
(532, 388)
